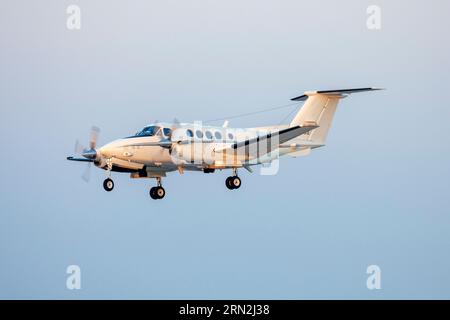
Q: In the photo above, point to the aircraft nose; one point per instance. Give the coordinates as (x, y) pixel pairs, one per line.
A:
(107, 151)
(112, 149)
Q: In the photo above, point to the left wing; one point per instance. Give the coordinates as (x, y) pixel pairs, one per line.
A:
(79, 159)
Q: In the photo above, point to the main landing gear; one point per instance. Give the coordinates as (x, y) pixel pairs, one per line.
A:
(108, 184)
(157, 192)
(233, 182)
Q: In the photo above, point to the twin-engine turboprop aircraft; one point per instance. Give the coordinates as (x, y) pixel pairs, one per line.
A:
(164, 147)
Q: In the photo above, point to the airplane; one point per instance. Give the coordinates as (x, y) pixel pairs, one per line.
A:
(163, 147)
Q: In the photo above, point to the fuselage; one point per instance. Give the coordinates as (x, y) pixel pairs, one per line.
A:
(141, 150)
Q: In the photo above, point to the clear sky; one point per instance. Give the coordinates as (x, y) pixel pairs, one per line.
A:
(378, 193)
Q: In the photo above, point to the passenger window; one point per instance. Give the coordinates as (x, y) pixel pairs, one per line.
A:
(208, 135)
(230, 136)
(218, 135)
(199, 134)
(189, 133)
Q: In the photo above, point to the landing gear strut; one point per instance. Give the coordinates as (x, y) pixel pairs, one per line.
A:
(157, 192)
(233, 182)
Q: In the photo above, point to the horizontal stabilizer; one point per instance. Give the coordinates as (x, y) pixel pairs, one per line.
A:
(333, 92)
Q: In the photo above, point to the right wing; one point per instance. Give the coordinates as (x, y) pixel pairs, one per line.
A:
(266, 143)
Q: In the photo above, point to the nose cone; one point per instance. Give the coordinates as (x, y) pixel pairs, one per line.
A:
(106, 151)
(109, 150)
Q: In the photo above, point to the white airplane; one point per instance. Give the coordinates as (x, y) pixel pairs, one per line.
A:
(160, 147)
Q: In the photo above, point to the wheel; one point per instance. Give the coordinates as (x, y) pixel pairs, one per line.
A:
(157, 193)
(235, 182)
(160, 192)
(228, 183)
(108, 184)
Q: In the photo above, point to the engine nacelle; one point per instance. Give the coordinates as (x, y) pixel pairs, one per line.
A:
(193, 153)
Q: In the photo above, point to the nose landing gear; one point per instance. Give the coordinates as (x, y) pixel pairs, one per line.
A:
(108, 184)
(157, 192)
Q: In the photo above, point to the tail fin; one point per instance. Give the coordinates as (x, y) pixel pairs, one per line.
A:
(319, 110)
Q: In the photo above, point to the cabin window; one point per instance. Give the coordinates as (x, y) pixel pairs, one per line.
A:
(230, 136)
(218, 135)
(199, 134)
(189, 133)
(208, 135)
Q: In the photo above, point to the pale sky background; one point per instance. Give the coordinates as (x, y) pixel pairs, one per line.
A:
(378, 193)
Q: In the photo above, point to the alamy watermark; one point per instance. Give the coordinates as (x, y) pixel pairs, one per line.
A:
(223, 147)
(373, 21)
(73, 281)
(374, 280)
(73, 21)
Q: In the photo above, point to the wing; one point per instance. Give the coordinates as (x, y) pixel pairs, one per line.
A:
(79, 159)
(266, 143)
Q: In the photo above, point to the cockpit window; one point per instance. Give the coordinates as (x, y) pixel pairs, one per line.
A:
(147, 131)
(167, 132)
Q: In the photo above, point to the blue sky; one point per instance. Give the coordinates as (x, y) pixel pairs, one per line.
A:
(376, 194)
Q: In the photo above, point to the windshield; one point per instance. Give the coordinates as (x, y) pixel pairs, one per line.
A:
(148, 131)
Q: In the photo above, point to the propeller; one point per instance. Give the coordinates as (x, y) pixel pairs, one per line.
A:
(88, 153)
(175, 126)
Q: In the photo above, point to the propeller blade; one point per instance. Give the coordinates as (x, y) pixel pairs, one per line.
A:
(95, 131)
(87, 173)
(176, 123)
(175, 126)
(78, 149)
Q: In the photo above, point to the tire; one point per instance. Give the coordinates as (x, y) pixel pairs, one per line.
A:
(157, 193)
(108, 185)
(153, 193)
(228, 183)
